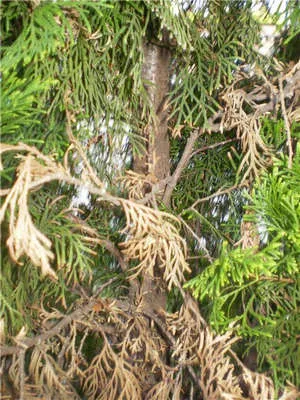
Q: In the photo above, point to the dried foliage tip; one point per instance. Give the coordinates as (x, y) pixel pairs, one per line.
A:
(154, 240)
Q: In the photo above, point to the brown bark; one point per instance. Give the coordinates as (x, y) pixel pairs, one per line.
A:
(155, 161)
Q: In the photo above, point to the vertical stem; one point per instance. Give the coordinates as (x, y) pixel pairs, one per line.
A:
(22, 373)
(286, 123)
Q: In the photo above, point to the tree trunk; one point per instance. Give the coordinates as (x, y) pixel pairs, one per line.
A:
(155, 160)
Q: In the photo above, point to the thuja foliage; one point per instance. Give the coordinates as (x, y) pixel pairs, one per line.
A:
(81, 235)
(89, 54)
(258, 287)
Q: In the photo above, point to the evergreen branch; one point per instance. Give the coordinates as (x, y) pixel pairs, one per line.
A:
(272, 279)
(188, 153)
(63, 177)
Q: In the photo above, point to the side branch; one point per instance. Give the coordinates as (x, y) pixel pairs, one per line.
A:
(181, 165)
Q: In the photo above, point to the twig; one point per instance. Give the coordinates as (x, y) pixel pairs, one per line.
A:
(188, 153)
(110, 246)
(213, 146)
(197, 238)
(272, 279)
(157, 187)
(102, 287)
(181, 165)
(238, 361)
(4, 192)
(218, 193)
(286, 123)
(60, 176)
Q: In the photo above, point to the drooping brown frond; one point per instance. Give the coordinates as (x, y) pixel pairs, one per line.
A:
(45, 379)
(196, 345)
(259, 387)
(153, 238)
(110, 377)
(45, 371)
(151, 235)
(130, 362)
(141, 344)
(34, 170)
(24, 237)
(256, 154)
(170, 385)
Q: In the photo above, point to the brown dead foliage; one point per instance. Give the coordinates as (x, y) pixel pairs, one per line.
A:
(136, 354)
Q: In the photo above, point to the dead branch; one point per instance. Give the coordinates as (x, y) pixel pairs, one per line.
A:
(27, 343)
(110, 246)
(207, 255)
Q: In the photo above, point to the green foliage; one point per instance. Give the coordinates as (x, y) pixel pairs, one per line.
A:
(172, 18)
(59, 43)
(259, 288)
(18, 105)
(210, 61)
(92, 52)
(292, 13)
(46, 29)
